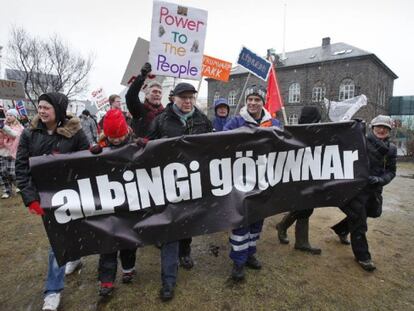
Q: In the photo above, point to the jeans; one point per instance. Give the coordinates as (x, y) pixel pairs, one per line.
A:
(169, 263)
(55, 275)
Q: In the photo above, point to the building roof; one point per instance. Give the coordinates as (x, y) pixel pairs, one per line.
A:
(402, 105)
(330, 52)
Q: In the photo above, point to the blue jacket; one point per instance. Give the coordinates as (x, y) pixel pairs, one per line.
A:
(245, 119)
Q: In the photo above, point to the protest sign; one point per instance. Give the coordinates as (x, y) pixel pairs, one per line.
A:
(138, 58)
(177, 40)
(99, 97)
(127, 197)
(10, 89)
(216, 68)
(257, 65)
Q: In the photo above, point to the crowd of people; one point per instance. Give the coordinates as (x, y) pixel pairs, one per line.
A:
(53, 131)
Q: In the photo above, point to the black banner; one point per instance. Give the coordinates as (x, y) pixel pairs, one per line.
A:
(194, 185)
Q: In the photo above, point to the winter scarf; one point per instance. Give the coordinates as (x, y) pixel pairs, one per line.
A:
(152, 112)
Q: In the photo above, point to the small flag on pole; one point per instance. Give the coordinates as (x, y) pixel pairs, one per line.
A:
(21, 109)
(274, 101)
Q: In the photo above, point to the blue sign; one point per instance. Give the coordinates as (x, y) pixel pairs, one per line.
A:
(257, 65)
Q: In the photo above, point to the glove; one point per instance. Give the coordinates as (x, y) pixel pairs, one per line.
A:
(35, 208)
(373, 180)
(95, 149)
(146, 69)
(141, 142)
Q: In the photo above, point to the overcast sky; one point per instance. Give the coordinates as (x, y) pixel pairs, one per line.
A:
(110, 29)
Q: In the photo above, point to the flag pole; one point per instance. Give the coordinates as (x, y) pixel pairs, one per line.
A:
(236, 111)
(198, 90)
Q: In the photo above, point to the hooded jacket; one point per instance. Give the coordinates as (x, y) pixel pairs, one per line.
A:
(219, 122)
(35, 141)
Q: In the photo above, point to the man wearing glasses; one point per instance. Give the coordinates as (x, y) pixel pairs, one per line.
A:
(179, 117)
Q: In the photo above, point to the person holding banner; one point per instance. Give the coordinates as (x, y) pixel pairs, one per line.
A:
(51, 132)
(368, 203)
(117, 134)
(144, 113)
(178, 118)
(243, 240)
(308, 114)
(221, 112)
(10, 131)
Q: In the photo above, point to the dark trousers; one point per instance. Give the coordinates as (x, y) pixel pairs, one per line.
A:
(184, 247)
(169, 263)
(108, 264)
(368, 203)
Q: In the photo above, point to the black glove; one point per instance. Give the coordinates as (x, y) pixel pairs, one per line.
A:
(373, 180)
(95, 149)
(146, 69)
(141, 142)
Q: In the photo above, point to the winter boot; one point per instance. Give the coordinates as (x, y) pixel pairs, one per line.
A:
(367, 265)
(302, 237)
(237, 273)
(282, 227)
(253, 263)
(106, 289)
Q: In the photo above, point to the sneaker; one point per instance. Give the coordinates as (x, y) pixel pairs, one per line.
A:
(51, 302)
(106, 289)
(5, 196)
(367, 265)
(253, 263)
(237, 273)
(127, 277)
(167, 292)
(72, 266)
(343, 238)
(186, 262)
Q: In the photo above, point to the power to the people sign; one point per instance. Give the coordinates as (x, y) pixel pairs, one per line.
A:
(177, 40)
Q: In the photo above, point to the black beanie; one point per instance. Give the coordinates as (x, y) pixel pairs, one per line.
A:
(59, 102)
(309, 114)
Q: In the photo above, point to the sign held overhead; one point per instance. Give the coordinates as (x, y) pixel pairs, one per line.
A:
(10, 89)
(177, 40)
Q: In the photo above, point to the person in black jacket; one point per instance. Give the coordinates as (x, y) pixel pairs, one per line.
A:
(382, 156)
(308, 114)
(178, 118)
(144, 113)
(51, 132)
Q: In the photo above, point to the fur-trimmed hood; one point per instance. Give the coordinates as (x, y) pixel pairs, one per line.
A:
(71, 126)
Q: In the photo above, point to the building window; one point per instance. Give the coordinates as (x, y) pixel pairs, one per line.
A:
(232, 98)
(346, 89)
(293, 119)
(381, 96)
(318, 93)
(294, 93)
(216, 96)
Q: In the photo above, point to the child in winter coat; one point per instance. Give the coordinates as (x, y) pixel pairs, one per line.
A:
(117, 134)
(9, 141)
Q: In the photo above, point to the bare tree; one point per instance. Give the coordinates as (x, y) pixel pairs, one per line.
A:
(47, 65)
